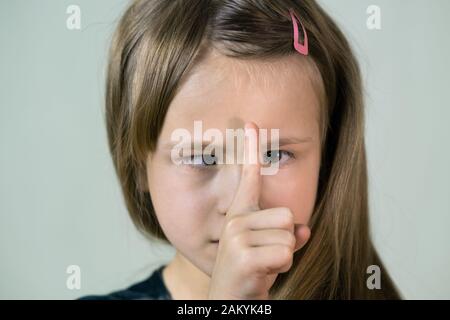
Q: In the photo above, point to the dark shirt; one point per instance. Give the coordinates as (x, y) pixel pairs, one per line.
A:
(152, 288)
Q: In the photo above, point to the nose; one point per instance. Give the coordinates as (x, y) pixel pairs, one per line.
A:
(226, 185)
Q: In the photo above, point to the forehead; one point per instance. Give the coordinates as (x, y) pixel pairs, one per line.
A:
(226, 92)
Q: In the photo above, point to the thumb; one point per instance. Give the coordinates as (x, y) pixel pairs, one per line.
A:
(302, 234)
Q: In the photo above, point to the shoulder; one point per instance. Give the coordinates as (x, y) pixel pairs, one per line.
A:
(152, 288)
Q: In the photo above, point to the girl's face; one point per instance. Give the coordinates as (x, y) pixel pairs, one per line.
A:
(191, 200)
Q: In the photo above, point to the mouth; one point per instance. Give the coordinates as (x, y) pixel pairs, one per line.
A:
(215, 241)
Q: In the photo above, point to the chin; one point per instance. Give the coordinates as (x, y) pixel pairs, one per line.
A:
(203, 258)
(207, 261)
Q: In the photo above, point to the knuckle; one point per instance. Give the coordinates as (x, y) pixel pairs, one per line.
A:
(292, 240)
(290, 214)
(285, 255)
(246, 261)
(234, 224)
(283, 261)
(242, 240)
(287, 219)
(286, 267)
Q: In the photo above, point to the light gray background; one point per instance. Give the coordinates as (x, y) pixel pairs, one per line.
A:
(60, 202)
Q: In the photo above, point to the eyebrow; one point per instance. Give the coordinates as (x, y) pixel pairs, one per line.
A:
(293, 140)
(281, 142)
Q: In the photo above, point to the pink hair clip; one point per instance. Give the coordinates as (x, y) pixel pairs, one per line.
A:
(301, 48)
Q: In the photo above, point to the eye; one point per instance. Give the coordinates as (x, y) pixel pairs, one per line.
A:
(200, 161)
(274, 156)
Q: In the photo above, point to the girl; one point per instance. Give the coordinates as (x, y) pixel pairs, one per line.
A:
(302, 233)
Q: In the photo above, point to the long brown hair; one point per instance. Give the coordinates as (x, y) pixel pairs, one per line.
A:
(155, 45)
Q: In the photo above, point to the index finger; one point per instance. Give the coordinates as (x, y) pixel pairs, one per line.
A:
(248, 192)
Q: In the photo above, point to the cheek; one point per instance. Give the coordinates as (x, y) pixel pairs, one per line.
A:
(180, 207)
(294, 187)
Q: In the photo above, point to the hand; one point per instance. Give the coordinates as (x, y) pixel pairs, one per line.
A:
(255, 245)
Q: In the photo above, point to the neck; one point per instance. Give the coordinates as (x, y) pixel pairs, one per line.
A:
(184, 280)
